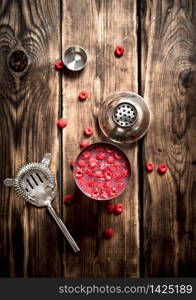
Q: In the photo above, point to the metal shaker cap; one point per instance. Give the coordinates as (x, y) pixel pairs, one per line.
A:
(75, 58)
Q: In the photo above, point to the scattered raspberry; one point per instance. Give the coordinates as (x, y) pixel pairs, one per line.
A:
(88, 131)
(110, 159)
(83, 95)
(68, 199)
(108, 233)
(149, 166)
(78, 173)
(162, 168)
(100, 155)
(84, 143)
(72, 163)
(81, 163)
(119, 51)
(110, 207)
(62, 123)
(59, 65)
(118, 208)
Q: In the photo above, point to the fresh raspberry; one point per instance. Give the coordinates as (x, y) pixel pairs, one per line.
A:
(117, 164)
(100, 149)
(104, 195)
(81, 181)
(118, 208)
(81, 163)
(108, 185)
(92, 162)
(117, 175)
(110, 159)
(89, 172)
(86, 154)
(87, 189)
(78, 173)
(59, 65)
(119, 51)
(108, 175)
(83, 95)
(124, 173)
(84, 143)
(113, 192)
(98, 174)
(100, 155)
(91, 182)
(117, 155)
(72, 163)
(110, 208)
(108, 233)
(120, 185)
(68, 199)
(149, 166)
(109, 150)
(102, 165)
(88, 131)
(162, 168)
(62, 123)
(95, 194)
(101, 185)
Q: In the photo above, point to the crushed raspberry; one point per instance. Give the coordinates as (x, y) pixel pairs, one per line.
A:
(118, 208)
(108, 233)
(98, 174)
(86, 154)
(81, 163)
(110, 159)
(59, 65)
(95, 194)
(124, 173)
(68, 199)
(162, 168)
(88, 131)
(117, 155)
(119, 51)
(72, 163)
(149, 166)
(91, 182)
(83, 95)
(100, 155)
(62, 123)
(92, 162)
(108, 175)
(84, 143)
(113, 192)
(78, 173)
(110, 207)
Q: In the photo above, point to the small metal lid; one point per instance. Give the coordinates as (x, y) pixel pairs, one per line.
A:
(75, 58)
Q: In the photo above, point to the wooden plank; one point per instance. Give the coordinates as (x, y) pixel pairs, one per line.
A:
(99, 26)
(30, 243)
(169, 77)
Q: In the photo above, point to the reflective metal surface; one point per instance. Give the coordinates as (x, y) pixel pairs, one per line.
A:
(75, 58)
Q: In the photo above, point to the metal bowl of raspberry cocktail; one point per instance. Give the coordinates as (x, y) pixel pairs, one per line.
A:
(102, 171)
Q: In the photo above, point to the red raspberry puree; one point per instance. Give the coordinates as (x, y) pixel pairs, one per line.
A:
(102, 171)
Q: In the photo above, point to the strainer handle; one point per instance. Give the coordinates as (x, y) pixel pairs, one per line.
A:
(63, 229)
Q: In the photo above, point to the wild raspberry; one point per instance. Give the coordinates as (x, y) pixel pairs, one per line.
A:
(68, 199)
(119, 51)
(149, 166)
(83, 95)
(162, 168)
(118, 208)
(59, 65)
(88, 131)
(62, 123)
(108, 233)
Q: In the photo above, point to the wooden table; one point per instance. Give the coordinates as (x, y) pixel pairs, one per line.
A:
(155, 235)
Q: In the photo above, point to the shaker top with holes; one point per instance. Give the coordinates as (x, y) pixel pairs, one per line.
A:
(124, 117)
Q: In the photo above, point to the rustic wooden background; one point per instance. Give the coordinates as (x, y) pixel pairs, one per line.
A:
(155, 235)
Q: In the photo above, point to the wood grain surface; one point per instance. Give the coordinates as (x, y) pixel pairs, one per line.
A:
(155, 235)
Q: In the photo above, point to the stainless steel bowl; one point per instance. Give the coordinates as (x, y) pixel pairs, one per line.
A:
(124, 117)
(75, 58)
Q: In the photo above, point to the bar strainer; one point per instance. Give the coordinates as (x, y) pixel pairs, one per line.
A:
(124, 117)
(35, 183)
